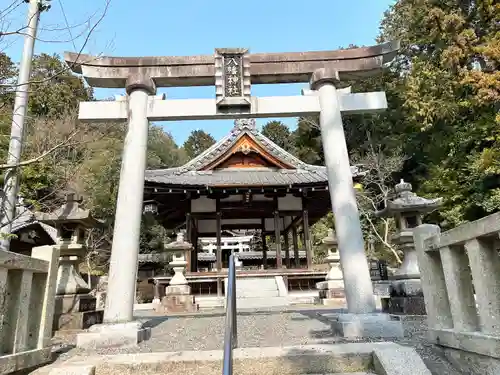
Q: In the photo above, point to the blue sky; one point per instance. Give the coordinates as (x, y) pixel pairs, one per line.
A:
(193, 27)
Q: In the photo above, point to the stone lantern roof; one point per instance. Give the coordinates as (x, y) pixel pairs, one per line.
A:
(179, 244)
(330, 239)
(408, 201)
(69, 213)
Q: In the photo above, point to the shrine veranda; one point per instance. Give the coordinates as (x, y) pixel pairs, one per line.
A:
(244, 181)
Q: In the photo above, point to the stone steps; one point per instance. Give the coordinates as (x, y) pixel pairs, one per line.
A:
(240, 294)
(259, 292)
(261, 302)
(210, 302)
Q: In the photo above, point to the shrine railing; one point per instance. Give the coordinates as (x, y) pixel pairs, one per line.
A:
(27, 295)
(460, 274)
(231, 332)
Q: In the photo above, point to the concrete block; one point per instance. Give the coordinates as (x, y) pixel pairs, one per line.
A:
(352, 358)
(25, 360)
(73, 370)
(365, 325)
(398, 360)
(113, 335)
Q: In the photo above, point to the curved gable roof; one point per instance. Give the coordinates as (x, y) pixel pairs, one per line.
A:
(195, 172)
(241, 128)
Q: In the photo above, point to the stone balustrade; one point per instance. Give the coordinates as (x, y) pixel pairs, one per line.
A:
(460, 274)
(27, 295)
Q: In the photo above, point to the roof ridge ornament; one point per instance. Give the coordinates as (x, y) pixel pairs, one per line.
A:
(244, 124)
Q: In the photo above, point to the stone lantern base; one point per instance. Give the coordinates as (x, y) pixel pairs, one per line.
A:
(406, 298)
(74, 307)
(177, 299)
(331, 292)
(76, 312)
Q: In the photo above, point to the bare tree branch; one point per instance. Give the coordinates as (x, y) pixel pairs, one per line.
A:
(39, 157)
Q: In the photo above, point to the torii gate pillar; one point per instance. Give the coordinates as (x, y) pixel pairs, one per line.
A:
(357, 281)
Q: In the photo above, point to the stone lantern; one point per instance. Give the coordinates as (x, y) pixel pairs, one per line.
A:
(74, 307)
(178, 296)
(332, 290)
(407, 209)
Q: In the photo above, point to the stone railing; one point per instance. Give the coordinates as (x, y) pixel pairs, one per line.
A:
(27, 294)
(460, 274)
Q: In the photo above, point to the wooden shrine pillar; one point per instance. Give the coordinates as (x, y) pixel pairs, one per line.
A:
(295, 241)
(218, 235)
(264, 244)
(189, 238)
(307, 237)
(194, 231)
(286, 235)
(277, 239)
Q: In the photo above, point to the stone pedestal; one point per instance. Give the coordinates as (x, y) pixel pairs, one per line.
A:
(331, 291)
(113, 335)
(74, 307)
(405, 292)
(406, 298)
(177, 298)
(76, 312)
(365, 325)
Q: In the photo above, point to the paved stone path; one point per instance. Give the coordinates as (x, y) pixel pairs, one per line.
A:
(255, 328)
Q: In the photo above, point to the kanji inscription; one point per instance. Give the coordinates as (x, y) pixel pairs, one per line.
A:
(232, 78)
(233, 75)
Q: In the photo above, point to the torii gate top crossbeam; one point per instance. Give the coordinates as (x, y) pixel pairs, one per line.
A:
(182, 71)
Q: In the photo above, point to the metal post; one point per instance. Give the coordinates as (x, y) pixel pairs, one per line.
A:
(11, 182)
(234, 308)
(230, 334)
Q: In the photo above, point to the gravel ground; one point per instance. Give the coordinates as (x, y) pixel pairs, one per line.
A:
(255, 328)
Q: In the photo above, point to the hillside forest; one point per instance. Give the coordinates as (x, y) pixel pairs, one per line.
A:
(441, 131)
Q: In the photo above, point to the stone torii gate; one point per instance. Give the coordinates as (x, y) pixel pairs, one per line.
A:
(232, 71)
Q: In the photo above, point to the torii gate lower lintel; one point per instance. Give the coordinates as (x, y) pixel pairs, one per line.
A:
(233, 71)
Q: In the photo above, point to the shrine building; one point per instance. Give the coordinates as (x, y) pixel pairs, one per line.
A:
(243, 182)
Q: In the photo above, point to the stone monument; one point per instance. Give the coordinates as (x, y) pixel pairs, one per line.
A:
(74, 307)
(405, 289)
(178, 296)
(331, 291)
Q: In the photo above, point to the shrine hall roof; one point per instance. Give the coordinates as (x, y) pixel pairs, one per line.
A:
(196, 173)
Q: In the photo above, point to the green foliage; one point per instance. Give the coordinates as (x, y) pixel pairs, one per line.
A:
(197, 142)
(280, 134)
(57, 90)
(308, 141)
(319, 231)
(449, 90)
